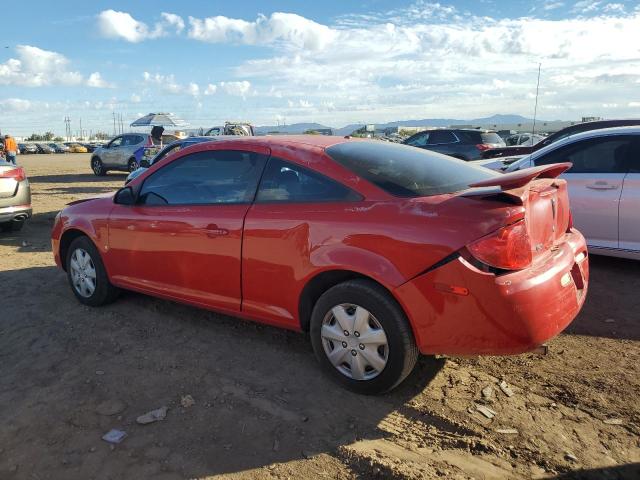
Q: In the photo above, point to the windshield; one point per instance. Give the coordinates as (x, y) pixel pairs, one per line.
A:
(406, 171)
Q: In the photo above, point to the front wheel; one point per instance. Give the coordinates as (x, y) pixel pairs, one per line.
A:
(362, 338)
(87, 275)
(98, 167)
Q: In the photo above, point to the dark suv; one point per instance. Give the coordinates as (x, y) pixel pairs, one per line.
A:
(462, 143)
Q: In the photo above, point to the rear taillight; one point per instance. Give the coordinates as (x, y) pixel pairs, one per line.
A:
(16, 173)
(570, 223)
(483, 146)
(509, 248)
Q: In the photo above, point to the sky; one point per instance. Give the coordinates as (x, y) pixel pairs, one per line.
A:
(333, 62)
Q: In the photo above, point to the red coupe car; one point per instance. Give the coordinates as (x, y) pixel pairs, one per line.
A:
(380, 251)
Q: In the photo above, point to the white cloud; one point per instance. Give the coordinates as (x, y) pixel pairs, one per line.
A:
(36, 67)
(287, 29)
(135, 98)
(121, 25)
(15, 105)
(238, 89)
(193, 89)
(95, 80)
(633, 104)
(551, 5)
(586, 6)
(211, 89)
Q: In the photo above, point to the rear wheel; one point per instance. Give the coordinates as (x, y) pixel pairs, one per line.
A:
(98, 167)
(87, 275)
(132, 166)
(362, 338)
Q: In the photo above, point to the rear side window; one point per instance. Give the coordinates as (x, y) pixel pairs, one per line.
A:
(286, 182)
(492, 137)
(600, 155)
(439, 137)
(205, 178)
(418, 140)
(405, 171)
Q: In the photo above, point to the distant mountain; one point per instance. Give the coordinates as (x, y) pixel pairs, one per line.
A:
(431, 122)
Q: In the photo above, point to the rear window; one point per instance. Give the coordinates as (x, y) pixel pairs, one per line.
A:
(406, 171)
(491, 137)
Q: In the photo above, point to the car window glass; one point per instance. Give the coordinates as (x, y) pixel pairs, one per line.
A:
(634, 157)
(601, 155)
(116, 142)
(419, 140)
(287, 182)
(205, 178)
(439, 137)
(167, 151)
(405, 171)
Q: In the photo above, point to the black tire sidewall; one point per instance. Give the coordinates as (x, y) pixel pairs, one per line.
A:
(401, 344)
(134, 162)
(102, 171)
(104, 292)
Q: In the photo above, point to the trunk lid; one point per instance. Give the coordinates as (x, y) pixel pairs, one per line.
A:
(8, 184)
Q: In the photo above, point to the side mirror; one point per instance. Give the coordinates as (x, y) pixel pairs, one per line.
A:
(124, 196)
(145, 163)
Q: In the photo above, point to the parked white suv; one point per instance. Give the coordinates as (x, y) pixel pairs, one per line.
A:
(604, 186)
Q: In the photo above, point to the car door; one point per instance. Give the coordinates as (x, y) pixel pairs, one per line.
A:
(182, 238)
(630, 202)
(445, 142)
(293, 216)
(130, 144)
(110, 154)
(595, 184)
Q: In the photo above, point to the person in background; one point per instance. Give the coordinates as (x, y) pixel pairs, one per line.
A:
(10, 148)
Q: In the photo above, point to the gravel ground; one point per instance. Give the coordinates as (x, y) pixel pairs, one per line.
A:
(261, 408)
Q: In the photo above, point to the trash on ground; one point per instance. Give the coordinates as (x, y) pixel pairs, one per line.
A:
(507, 431)
(187, 401)
(152, 416)
(486, 411)
(613, 421)
(114, 436)
(570, 456)
(506, 389)
(487, 392)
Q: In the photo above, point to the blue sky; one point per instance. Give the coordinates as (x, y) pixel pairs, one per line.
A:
(334, 62)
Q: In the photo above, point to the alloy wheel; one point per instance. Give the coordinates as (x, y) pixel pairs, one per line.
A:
(354, 341)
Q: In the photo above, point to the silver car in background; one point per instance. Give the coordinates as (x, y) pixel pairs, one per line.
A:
(123, 153)
(15, 197)
(604, 186)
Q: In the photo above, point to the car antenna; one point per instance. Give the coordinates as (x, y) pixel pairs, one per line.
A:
(535, 109)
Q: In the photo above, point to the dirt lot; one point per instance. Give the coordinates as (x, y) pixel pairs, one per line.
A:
(69, 374)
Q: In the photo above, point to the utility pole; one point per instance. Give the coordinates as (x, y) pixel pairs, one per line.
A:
(535, 109)
(114, 123)
(81, 135)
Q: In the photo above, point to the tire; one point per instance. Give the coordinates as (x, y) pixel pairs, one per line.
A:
(399, 355)
(132, 166)
(102, 292)
(98, 167)
(13, 226)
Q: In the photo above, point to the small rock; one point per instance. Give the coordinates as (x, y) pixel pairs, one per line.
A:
(114, 436)
(25, 243)
(487, 392)
(152, 416)
(507, 431)
(99, 372)
(613, 421)
(486, 411)
(609, 320)
(187, 401)
(92, 449)
(110, 407)
(570, 456)
(276, 445)
(506, 389)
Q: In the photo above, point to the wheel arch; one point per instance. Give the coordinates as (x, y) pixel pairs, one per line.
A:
(323, 281)
(65, 242)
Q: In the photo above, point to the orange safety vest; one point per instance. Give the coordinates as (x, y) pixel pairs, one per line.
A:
(10, 145)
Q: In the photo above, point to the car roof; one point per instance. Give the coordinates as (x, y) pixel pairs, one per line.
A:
(321, 141)
(601, 132)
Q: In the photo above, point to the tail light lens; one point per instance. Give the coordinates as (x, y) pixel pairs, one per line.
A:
(483, 146)
(16, 173)
(509, 248)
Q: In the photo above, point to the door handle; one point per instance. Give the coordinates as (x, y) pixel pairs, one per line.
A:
(214, 231)
(602, 186)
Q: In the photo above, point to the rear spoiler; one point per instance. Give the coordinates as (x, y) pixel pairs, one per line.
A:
(520, 178)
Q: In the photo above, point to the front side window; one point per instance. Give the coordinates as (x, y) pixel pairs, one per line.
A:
(439, 137)
(116, 142)
(599, 155)
(287, 182)
(205, 178)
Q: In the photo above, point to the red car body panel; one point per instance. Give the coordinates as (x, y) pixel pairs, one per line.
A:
(254, 260)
